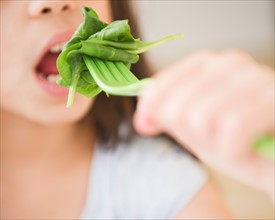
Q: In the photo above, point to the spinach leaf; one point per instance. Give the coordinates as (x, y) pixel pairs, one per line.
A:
(96, 39)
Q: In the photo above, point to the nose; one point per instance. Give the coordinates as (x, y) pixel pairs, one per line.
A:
(47, 7)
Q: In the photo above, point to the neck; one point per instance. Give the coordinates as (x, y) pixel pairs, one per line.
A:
(25, 142)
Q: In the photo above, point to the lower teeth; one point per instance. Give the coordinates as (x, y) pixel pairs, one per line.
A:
(49, 77)
(53, 78)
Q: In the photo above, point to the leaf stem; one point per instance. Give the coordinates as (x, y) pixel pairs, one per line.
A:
(149, 45)
(72, 90)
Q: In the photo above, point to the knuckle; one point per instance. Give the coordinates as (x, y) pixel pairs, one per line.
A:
(233, 123)
(202, 55)
(171, 114)
(206, 52)
(201, 117)
(200, 114)
(236, 56)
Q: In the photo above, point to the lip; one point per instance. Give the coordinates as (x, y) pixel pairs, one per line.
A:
(55, 39)
(50, 87)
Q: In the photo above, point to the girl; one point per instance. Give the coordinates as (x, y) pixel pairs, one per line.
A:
(82, 163)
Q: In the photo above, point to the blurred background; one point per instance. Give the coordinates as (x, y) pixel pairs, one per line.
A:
(217, 24)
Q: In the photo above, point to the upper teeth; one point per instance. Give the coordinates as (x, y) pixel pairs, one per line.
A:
(57, 48)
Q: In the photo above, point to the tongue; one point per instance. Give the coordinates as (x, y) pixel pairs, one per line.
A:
(48, 64)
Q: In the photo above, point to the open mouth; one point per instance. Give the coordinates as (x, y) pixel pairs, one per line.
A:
(46, 68)
(46, 71)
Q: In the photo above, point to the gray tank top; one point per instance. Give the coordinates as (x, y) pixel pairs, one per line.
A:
(149, 178)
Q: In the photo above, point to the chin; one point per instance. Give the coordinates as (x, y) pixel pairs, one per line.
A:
(50, 112)
(60, 114)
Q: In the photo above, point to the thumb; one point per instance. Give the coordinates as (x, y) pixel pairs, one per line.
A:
(144, 122)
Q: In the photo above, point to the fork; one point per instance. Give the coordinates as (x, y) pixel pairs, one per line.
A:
(114, 77)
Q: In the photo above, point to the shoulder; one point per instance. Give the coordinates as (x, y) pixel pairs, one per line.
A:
(154, 177)
(200, 207)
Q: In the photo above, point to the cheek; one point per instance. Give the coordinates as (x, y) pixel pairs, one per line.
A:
(48, 111)
(16, 80)
(16, 68)
(11, 83)
(16, 56)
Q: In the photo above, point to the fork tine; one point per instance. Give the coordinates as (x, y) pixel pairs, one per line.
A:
(105, 72)
(126, 72)
(104, 77)
(118, 70)
(114, 71)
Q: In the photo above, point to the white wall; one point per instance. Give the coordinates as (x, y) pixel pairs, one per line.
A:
(216, 24)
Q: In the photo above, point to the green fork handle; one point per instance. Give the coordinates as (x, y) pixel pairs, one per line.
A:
(265, 146)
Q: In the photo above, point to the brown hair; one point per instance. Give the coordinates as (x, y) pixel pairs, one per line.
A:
(109, 112)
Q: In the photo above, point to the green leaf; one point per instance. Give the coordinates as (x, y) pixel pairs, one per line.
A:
(118, 31)
(87, 85)
(90, 26)
(108, 42)
(93, 49)
(64, 66)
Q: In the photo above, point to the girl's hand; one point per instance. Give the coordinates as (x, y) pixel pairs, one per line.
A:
(215, 105)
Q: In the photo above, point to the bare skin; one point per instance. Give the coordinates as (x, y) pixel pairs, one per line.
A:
(47, 150)
(216, 104)
(43, 178)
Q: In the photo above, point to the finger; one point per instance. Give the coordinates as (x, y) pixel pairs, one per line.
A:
(223, 94)
(164, 82)
(145, 124)
(182, 108)
(241, 126)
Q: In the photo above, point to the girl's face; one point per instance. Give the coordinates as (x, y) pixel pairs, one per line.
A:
(32, 33)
